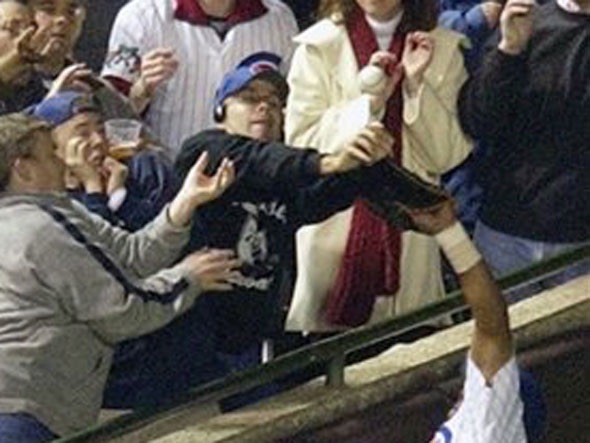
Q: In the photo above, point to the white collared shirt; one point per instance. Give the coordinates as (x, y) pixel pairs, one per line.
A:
(183, 105)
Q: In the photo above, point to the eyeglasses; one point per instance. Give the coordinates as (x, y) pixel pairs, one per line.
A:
(253, 97)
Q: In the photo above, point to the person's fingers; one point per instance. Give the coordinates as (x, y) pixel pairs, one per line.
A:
(159, 63)
(159, 52)
(81, 85)
(383, 59)
(25, 37)
(517, 10)
(218, 177)
(357, 152)
(526, 3)
(410, 40)
(376, 125)
(152, 72)
(219, 254)
(200, 164)
(40, 38)
(82, 72)
(229, 175)
(219, 287)
(378, 135)
(83, 150)
(221, 266)
(72, 149)
(374, 141)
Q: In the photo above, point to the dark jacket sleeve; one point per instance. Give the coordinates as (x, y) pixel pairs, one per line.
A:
(330, 195)
(151, 185)
(488, 99)
(95, 202)
(259, 166)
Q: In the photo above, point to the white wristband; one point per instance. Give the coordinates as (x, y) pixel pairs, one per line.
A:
(458, 248)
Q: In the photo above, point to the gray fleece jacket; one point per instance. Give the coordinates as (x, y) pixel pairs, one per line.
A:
(71, 286)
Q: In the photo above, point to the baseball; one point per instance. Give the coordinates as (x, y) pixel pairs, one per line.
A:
(372, 80)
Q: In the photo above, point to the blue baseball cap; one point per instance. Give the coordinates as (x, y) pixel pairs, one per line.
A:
(260, 65)
(62, 106)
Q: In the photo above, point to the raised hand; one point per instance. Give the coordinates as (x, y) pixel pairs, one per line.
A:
(32, 44)
(390, 73)
(199, 188)
(212, 269)
(418, 52)
(516, 25)
(116, 174)
(491, 11)
(79, 168)
(72, 77)
(371, 144)
(157, 66)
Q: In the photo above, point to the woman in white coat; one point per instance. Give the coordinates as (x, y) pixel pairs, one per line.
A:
(338, 285)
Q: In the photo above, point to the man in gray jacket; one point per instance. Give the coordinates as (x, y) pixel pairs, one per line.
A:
(71, 285)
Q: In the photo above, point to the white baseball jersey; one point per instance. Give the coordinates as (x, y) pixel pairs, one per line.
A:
(489, 413)
(184, 105)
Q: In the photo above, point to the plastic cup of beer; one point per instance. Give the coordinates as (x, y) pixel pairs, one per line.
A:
(123, 135)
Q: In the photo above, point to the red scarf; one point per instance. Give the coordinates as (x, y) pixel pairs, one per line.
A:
(370, 264)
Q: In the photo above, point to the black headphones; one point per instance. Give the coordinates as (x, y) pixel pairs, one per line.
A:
(219, 113)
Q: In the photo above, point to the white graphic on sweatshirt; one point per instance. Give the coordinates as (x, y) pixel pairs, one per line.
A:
(253, 246)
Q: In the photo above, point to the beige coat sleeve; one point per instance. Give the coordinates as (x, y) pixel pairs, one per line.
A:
(431, 123)
(313, 118)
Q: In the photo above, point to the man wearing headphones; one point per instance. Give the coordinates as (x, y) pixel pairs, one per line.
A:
(277, 190)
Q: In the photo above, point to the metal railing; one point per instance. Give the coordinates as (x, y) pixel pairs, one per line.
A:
(331, 351)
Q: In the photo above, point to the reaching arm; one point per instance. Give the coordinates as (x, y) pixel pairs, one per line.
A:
(159, 243)
(491, 346)
(279, 168)
(94, 288)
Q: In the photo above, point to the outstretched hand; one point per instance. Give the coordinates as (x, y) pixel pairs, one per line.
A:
(199, 188)
(212, 269)
(372, 144)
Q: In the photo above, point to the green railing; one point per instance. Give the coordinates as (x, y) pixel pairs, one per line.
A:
(331, 351)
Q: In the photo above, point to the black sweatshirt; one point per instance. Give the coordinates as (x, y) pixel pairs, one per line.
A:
(534, 109)
(277, 190)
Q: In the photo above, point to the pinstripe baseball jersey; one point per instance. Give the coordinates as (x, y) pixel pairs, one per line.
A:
(488, 413)
(183, 106)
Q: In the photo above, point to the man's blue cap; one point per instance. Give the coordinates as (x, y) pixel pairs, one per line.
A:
(260, 65)
(62, 106)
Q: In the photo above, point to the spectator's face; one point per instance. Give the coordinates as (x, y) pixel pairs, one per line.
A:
(381, 10)
(256, 111)
(14, 20)
(89, 127)
(47, 169)
(62, 18)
